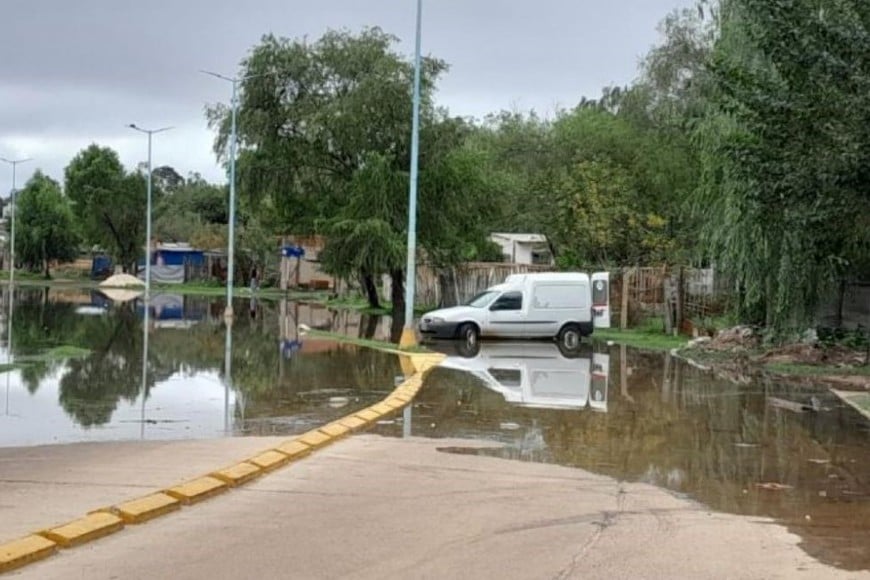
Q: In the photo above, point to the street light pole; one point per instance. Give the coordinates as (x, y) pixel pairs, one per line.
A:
(231, 242)
(150, 133)
(408, 336)
(12, 199)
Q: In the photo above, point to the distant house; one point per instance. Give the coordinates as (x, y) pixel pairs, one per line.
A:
(174, 263)
(178, 255)
(524, 248)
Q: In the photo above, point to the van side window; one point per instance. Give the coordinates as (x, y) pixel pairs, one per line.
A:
(509, 301)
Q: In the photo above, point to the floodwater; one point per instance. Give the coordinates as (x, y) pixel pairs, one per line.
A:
(263, 378)
(633, 415)
(648, 417)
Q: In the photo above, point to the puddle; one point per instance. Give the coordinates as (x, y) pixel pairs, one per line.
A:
(276, 380)
(647, 417)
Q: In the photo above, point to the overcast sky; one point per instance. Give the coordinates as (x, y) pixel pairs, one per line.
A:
(74, 73)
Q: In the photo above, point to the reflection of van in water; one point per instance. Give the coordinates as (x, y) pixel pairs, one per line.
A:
(538, 375)
(567, 306)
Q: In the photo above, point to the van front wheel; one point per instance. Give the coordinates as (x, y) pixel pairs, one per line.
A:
(569, 336)
(469, 333)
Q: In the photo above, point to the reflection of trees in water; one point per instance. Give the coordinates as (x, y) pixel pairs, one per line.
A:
(91, 387)
(94, 385)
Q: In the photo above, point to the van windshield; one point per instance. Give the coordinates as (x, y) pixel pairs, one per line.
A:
(482, 300)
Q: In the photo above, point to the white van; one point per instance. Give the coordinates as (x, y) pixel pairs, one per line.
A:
(538, 375)
(566, 306)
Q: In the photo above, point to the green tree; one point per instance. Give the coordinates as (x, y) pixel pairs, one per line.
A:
(325, 133)
(786, 153)
(46, 230)
(109, 203)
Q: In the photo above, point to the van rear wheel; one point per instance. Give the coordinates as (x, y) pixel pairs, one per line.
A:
(570, 336)
(469, 333)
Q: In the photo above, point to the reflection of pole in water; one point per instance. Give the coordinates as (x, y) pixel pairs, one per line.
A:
(406, 422)
(145, 323)
(9, 358)
(228, 369)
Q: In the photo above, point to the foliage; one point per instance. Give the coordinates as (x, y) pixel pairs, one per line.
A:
(108, 203)
(189, 212)
(325, 135)
(785, 152)
(45, 230)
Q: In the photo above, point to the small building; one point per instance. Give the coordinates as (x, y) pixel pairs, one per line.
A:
(178, 255)
(524, 249)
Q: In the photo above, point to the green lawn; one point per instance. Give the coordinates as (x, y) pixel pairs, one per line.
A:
(644, 338)
(376, 344)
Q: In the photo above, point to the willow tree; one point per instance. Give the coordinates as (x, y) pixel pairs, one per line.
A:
(786, 151)
(325, 132)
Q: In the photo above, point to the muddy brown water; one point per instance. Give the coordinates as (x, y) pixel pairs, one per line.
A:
(648, 417)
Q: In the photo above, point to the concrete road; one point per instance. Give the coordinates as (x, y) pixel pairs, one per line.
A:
(371, 507)
(49, 485)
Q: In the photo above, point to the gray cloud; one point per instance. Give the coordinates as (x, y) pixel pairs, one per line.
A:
(78, 72)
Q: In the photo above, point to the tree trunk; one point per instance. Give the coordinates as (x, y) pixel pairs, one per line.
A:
(371, 291)
(397, 294)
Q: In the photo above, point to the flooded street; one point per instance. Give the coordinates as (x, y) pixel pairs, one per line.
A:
(76, 374)
(640, 416)
(275, 380)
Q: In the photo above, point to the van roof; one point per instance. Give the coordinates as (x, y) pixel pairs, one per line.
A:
(548, 277)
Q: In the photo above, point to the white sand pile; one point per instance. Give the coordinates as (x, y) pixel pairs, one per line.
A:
(122, 281)
(120, 295)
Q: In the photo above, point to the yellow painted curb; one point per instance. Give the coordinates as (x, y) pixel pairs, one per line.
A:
(25, 550)
(146, 508)
(294, 449)
(368, 415)
(382, 409)
(197, 490)
(335, 430)
(270, 460)
(238, 474)
(393, 403)
(314, 439)
(86, 529)
(353, 423)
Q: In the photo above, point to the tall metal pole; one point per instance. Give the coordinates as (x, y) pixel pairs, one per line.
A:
(231, 245)
(12, 202)
(148, 227)
(231, 242)
(408, 335)
(148, 249)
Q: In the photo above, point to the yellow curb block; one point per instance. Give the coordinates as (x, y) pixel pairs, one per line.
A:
(85, 529)
(382, 409)
(335, 430)
(197, 490)
(314, 439)
(403, 398)
(146, 508)
(393, 404)
(23, 551)
(238, 474)
(353, 423)
(270, 460)
(368, 415)
(294, 449)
